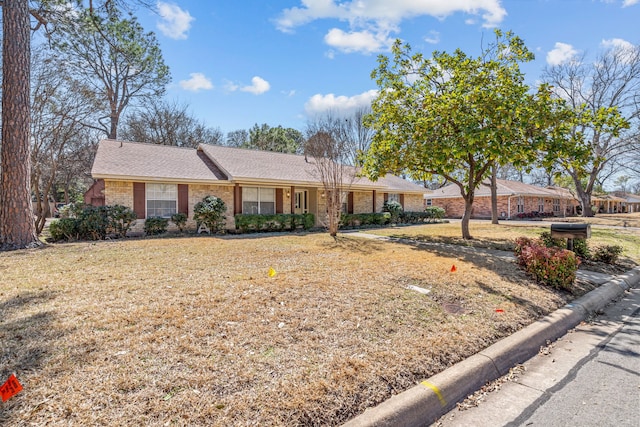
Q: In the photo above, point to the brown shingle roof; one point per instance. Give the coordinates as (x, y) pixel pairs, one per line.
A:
(119, 159)
(268, 166)
(152, 162)
(504, 188)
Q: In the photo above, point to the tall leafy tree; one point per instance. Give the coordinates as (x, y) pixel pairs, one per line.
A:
(456, 116)
(284, 140)
(605, 129)
(113, 60)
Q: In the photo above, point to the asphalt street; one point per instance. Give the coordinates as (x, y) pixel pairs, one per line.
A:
(589, 377)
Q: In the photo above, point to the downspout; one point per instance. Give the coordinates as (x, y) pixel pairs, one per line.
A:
(509, 207)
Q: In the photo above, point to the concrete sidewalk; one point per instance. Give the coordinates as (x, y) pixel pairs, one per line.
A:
(425, 403)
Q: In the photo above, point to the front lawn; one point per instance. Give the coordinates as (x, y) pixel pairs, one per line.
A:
(195, 331)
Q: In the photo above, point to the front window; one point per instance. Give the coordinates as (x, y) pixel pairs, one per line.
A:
(429, 202)
(256, 200)
(393, 197)
(520, 205)
(556, 205)
(162, 200)
(540, 204)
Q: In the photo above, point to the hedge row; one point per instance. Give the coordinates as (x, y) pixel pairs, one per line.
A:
(246, 223)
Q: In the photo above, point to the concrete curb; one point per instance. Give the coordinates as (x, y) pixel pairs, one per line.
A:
(425, 403)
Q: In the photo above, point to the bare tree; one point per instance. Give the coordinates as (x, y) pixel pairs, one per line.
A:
(58, 112)
(610, 84)
(330, 151)
(238, 138)
(167, 123)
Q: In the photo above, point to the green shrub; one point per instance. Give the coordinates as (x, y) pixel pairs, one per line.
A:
(551, 242)
(608, 254)
(435, 212)
(553, 266)
(394, 208)
(210, 212)
(93, 222)
(64, 229)
(581, 248)
(276, 222)
(180, 220)
(364, 219)
(121, 218)
(155, 225)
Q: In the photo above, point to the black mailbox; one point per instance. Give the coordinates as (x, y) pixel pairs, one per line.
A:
(570, 232)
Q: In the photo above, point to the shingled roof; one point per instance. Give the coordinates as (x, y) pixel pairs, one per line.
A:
(151, 162)
(504, 188)
(211, 163)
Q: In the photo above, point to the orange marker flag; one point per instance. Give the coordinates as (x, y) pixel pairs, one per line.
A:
(272, 272)
(10, 388)
(499, 310)
(453, 268)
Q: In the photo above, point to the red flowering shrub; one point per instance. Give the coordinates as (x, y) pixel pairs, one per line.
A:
(554, 267)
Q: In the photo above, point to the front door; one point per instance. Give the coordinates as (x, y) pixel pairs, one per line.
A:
(301, 202)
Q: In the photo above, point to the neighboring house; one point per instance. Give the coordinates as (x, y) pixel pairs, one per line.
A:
(515, 199)
(158, 180)
(607, 203)
(631, 202)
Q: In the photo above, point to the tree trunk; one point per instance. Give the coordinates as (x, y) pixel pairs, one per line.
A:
(468, 206)
(494, 194)
(585, 199)
(17, 226)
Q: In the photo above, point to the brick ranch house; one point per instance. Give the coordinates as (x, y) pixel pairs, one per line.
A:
(513, 198)
(158, 180)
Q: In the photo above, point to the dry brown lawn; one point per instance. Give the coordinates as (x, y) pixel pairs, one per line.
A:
(194, 331)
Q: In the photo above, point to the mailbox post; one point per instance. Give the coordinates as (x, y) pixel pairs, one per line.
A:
(570, 232)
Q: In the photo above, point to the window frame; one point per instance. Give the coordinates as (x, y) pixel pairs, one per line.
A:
(151, 192)
(262, 200)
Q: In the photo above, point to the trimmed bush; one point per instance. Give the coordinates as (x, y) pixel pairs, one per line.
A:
(155, 225)
(581, 248)
(553, 266)
(608, 254)
(247, 223)
(550, 242)
(435, 212)
(180, 220)
(210, 212)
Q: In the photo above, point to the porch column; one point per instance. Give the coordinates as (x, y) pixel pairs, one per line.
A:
(293, 199)
(373, 209)
(237, 200)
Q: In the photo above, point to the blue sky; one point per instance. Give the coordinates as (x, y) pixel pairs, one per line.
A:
(280, 62)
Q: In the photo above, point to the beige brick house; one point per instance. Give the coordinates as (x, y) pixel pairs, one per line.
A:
(515, 200)
(157, 180)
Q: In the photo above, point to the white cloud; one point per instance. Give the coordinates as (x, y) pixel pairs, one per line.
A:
(561, 53)
(371, 22)
(175, 21)
(627, 3)
(258, 86)
(617, 44)
(621, 49)
(196, 83)
(357, 41)
(343, 105)
(433, 37)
